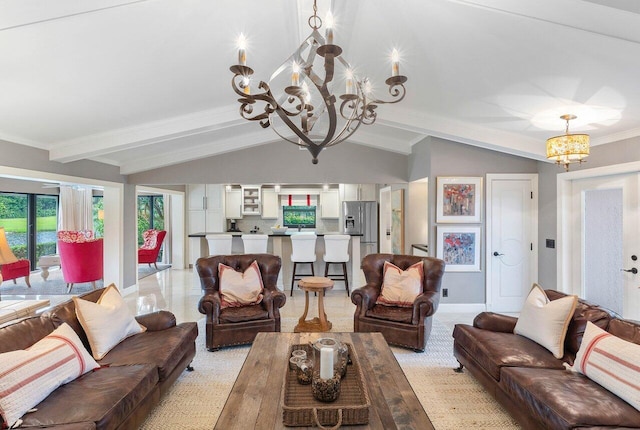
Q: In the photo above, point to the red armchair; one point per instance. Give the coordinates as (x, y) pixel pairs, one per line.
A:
(15, 270)
(10, 266)
(148, 252)
(81, 261)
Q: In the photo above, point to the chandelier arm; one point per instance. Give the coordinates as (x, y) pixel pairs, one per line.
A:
(293, 128)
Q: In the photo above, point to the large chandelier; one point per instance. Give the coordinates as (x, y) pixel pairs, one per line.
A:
(568, 148)
(294, 114)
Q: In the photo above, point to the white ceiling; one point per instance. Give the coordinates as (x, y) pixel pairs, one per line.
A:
(145, 84)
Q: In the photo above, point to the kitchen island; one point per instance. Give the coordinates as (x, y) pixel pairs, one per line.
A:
(280, 244)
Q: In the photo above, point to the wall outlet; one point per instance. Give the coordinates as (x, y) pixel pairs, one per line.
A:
(445, 292)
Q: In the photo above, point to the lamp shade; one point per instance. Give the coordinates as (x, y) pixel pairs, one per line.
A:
(6, 255)
(568, 148)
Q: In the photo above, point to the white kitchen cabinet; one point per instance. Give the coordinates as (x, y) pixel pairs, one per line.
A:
(364, 192)
(330, 204)
(233, 204)
(205, 212)
(270, 204)
(251, 200)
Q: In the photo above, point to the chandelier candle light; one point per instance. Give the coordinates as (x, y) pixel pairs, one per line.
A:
(568, 148)
(292, 115)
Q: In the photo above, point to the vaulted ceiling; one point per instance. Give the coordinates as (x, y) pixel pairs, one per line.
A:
(145, 84)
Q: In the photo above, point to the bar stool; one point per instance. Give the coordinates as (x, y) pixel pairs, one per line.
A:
(336, 248)
(255, 243)
(303, 251)
(219, 244)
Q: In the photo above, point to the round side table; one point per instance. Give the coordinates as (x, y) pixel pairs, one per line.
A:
(314, 284)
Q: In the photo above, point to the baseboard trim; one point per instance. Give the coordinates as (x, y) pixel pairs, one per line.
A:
(462, 307)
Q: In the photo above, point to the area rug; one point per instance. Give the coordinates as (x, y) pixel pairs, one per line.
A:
(452, 400)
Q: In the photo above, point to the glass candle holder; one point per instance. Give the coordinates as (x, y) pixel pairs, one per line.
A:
(326, 390)
(299, 353)
(293, 362)
(304, 372)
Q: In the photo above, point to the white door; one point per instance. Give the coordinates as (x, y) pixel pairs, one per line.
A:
(385, 220)
(604, 242)
(512, 225)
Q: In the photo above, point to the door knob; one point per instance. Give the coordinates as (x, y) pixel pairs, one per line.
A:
(632, 270)
(496, 254)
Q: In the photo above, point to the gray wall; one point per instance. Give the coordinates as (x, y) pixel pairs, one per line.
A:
(282, 163)
(439, 157)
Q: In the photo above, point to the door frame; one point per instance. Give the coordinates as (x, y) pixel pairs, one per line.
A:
(490, 177)
(565, 217)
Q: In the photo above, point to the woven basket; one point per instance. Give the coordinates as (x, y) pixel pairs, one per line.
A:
(301, 409)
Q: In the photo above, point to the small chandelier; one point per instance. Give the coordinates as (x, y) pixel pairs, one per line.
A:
(568, 148)
(293, 115)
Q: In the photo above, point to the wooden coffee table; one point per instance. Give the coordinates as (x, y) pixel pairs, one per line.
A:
(255, 399)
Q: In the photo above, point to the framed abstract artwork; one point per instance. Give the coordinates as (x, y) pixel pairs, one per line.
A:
(459, 247)
(458, 199)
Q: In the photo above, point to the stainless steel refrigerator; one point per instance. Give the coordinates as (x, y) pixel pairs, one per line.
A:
(361, 217)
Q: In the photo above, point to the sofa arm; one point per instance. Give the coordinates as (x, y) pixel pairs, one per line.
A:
(425, 305)
(157, 321)
(272, 301)
(495, 322)
(364, 298)
(210, 305)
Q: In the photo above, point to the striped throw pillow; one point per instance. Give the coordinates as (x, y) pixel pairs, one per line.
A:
(612, 362)
(28, 376)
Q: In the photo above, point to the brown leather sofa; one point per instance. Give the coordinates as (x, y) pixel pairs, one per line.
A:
(532, 384)
(239, 325)
(401, 326)
(130, 382)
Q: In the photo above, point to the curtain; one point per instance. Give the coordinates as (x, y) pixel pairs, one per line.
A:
(76, 208)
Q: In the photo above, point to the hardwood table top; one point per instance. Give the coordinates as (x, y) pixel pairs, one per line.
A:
(255, 399)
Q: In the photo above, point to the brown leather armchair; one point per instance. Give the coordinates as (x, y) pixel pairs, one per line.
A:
(239, 325)
(408, 327)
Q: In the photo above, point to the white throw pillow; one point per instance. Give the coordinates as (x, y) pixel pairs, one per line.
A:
(400, 287)
(240, 289)
(28, 376)
(610, 361)
(546, 321)
(106, 322)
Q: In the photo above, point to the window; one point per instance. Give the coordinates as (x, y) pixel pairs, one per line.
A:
(150, 216)
(30, 222)
(299, 216)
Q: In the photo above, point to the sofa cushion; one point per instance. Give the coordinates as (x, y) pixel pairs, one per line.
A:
(397, 314)
(585, 311)
(106, 322)
(29, 376)
(400, 287)
(144, 348)
(612, 362)
(245, 313)
(566, 400)
(545, 321)
(240, 288)
(496, 350)
(624, 329)
(106, 397)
